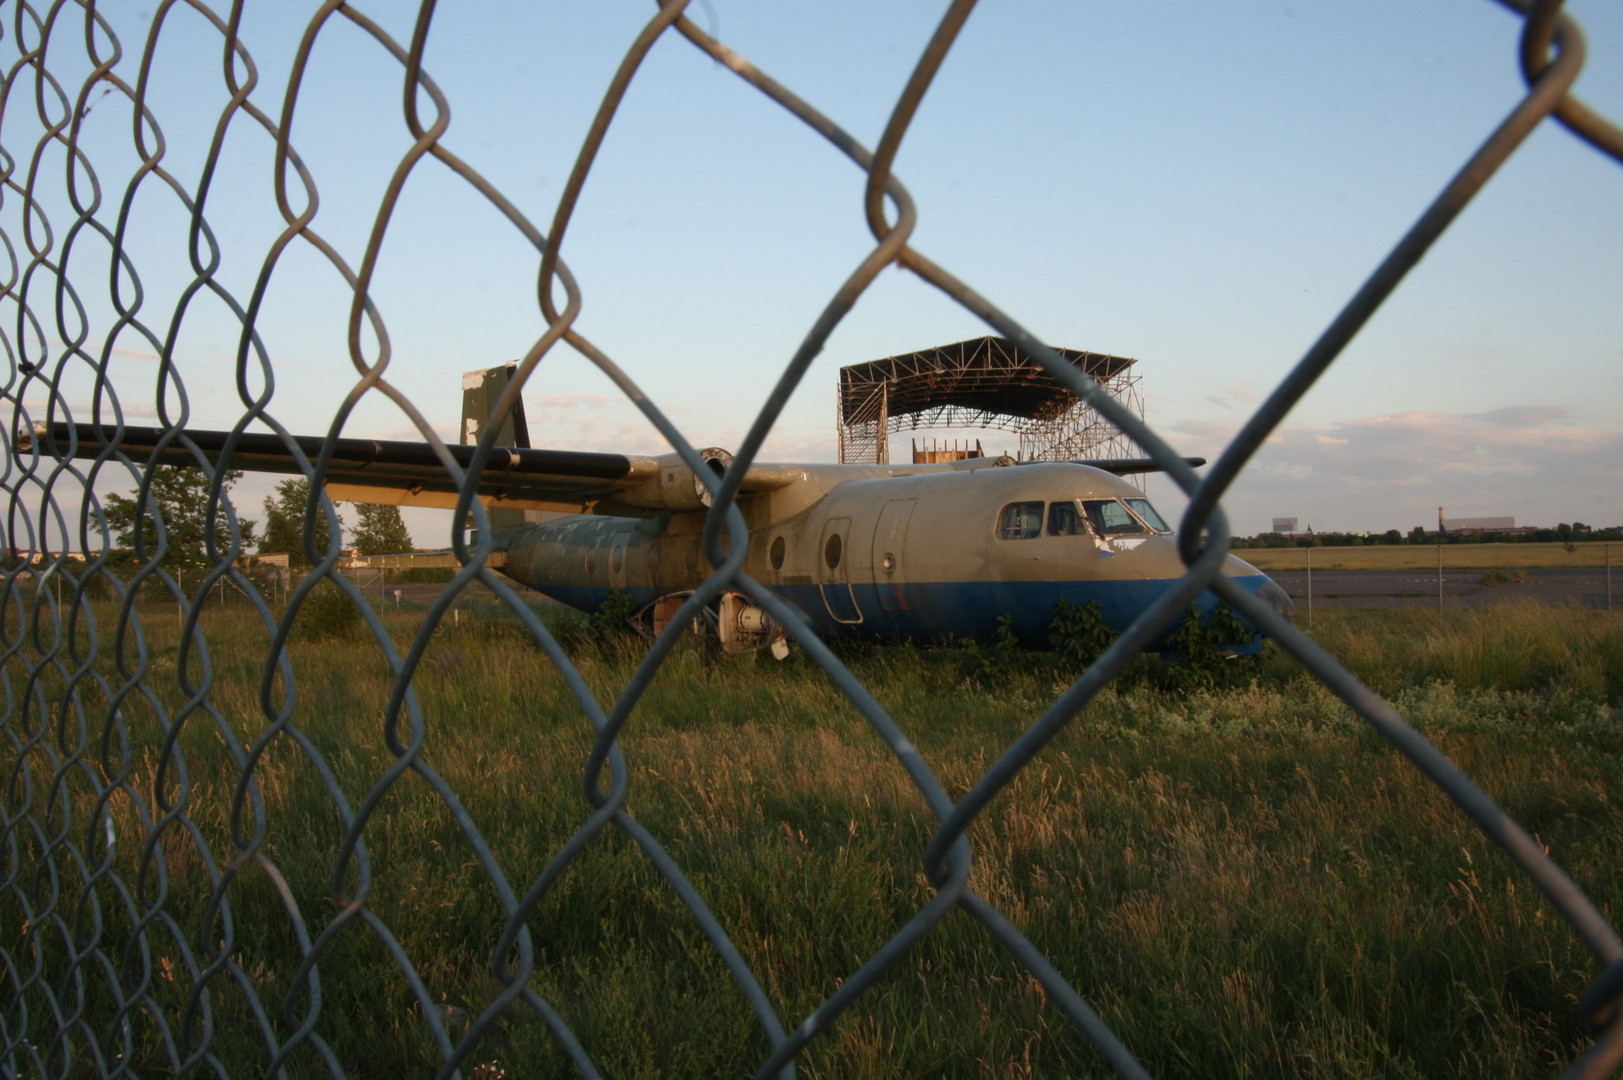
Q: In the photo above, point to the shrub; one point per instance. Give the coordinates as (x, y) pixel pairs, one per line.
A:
(1079, 634)
(1200, 652)
(327, 612)
(612, 620)
(999, 659)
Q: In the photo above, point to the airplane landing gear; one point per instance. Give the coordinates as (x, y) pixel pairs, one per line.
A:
(739, 625)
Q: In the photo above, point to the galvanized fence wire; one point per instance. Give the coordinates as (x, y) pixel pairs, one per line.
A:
(82, 972)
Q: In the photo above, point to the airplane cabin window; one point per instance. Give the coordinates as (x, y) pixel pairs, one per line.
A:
(1020, 521)
(1064, 520)
(1110, 518)
(1143, 509)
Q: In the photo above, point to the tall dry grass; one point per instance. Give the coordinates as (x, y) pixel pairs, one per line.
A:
(1243, 881)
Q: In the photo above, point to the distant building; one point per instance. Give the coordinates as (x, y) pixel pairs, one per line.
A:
(1479, 525)
(1284, 525)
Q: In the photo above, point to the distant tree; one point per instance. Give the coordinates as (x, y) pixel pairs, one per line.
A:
(380, 530)
(1270, 540)
(284, 522)
(1391, 536)
(180, 496)
(1417, 535)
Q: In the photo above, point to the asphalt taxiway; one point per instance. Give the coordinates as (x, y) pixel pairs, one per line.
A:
(1342, 589)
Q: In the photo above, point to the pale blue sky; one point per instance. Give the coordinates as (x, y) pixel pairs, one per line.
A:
(1197, 185)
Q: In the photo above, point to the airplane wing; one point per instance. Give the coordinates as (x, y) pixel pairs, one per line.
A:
(410, 473)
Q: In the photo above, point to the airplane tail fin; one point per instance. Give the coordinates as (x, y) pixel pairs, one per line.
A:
(480, 392)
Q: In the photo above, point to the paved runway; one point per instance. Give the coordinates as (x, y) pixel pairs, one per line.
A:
(1338, 589)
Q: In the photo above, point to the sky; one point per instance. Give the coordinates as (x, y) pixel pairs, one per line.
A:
(1199, 186)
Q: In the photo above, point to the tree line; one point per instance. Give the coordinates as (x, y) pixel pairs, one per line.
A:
(1564, 533)
(190, 536)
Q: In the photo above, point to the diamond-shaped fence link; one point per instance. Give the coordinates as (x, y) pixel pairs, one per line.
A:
(147, 922)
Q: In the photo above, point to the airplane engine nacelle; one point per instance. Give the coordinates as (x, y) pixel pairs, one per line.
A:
(742, 626)
(676, 487)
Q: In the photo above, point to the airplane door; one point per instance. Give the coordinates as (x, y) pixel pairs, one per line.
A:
(619, 553)
(833, 575)
(890, 555)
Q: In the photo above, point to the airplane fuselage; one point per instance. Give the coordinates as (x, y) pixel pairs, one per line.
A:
(923, 552)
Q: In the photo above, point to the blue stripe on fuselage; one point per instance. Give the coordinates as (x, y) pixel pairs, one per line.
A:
(960, 609)
(933, 610)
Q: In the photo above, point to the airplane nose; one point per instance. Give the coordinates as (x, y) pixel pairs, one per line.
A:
(1277, 598)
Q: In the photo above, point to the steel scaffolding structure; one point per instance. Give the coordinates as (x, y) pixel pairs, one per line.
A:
(990, 383)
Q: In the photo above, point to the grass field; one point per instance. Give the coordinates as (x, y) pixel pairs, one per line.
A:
(1240, 878)
(1424, 557)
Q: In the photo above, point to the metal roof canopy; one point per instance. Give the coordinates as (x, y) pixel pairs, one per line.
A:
(991, 376)
(987, 382)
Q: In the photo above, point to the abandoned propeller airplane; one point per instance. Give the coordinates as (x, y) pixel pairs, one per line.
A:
(917, 551)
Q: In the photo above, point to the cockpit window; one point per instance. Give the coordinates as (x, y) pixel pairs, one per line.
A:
(1064, 520)
(1143, 509)
(1110, 518)
(1020, 521)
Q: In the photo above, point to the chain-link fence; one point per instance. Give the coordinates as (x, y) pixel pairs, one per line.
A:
(162, 913)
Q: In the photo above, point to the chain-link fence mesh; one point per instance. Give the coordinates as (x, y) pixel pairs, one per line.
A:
(161, 913)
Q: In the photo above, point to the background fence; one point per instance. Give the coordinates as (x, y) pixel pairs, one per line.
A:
(157, 914)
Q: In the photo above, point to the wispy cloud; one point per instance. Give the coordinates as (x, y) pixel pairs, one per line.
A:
(1395, 469)
(602, 422)
(1522, 415)
(139, 412)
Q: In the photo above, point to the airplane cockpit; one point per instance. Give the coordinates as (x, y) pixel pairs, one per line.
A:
(1100, 518)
